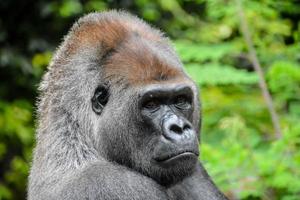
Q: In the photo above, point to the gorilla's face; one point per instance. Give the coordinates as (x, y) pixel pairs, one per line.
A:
(147, 114)
(166, 111)
(149, 129)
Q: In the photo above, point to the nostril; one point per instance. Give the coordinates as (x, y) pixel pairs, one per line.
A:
(176, 129)
(186, 127)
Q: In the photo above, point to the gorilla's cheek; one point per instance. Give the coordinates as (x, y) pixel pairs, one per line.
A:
(114, 144)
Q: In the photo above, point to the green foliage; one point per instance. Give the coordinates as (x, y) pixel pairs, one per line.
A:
(238, 143)
(212, 71)
(284, 80)
(216, 74)
(16, 138)
(200, 53)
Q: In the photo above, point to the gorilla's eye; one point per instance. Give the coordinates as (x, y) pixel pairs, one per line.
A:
(100, 99)
(182, 102)
(151, 105)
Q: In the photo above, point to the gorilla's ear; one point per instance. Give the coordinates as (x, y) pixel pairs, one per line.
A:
(100, 98)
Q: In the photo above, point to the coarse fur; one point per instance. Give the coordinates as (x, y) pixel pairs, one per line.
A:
(84, 155)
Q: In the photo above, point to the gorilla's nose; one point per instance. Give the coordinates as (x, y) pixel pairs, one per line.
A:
(176, 128)
(179, 127)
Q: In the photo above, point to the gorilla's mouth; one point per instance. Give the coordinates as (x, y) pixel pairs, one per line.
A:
(171, 158)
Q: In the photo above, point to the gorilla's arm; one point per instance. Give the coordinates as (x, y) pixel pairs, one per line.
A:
(197, 186)
(105, 181)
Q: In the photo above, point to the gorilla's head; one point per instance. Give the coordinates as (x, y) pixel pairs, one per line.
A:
(141, 106)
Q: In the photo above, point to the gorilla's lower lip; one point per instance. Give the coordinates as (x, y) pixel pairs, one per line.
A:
(172, 158)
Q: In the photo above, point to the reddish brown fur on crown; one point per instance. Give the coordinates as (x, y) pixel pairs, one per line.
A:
(137, 62)
(107, 33)
(107, 30)
(134, 45)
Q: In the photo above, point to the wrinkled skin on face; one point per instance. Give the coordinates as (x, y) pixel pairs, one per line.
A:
(158, 137)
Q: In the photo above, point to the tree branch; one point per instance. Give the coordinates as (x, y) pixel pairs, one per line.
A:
(253, 56)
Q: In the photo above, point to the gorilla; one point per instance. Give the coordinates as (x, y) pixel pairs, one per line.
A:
(118, 118)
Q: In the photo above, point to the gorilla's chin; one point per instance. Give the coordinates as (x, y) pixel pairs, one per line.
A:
(174, 169)
(172, 160)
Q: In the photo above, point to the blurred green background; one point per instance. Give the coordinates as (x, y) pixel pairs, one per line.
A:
(239, 147)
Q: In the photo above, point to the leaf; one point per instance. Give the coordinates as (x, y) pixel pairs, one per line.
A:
(196, 52)
(70, 7)
(284, 79)
(5, 192)
(214, 74)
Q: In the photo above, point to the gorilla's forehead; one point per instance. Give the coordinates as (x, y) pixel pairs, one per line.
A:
(139, 61)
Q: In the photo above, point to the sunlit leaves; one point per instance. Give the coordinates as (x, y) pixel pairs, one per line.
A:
(70, 7)
(191, 52)
(5, 192)
(16, 121)
(216, 74)
(95, 5)
(284, 79)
